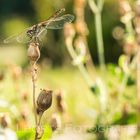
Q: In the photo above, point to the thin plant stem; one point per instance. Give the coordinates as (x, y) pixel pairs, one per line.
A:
(99, 38)
(34, 75)
(38, 125)
(93, 6)
(80, 65)
(100, 4)
(97, 9)
(138, 88)
(130, 32)
(34, 70)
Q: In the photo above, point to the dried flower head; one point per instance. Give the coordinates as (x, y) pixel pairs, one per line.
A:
(24, 96)
(33, 52)
(55, 122)
(16, 72)
(81, 27)
(44, 101)
(1, 75)
(4, 121)
(129, 48)
(59, 102)
(137, 8)
(124, 7)
(80, 3)
(69, 30)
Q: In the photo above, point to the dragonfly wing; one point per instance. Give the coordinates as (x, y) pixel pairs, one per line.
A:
(59, 22)
(21, 38)
(41, 35)
(11, 39)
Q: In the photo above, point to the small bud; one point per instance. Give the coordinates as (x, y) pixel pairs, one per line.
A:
(4, 121)
(55, 122)
(69, 30)
(39, 132)
(16, 72)
(1, 75)
(81, 27)
(24, 96)
(44, 101)
(137, 8)
(59, 102)
(33, 52)
(124, 7)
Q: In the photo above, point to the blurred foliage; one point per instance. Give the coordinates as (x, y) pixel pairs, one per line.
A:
(28, 134)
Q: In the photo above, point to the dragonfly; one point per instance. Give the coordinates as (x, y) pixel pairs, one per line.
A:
(36, 32)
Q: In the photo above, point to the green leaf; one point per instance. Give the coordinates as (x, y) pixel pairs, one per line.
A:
(127, 119)
(47, 133)
(27, 134)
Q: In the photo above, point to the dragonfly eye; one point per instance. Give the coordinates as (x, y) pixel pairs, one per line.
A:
(30, 33)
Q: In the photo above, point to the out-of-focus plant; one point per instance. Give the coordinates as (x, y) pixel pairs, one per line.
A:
(44, 99)
(75, 39)
(76, 43)
(129, 43)
(78, 53)
(137, 29)
(97, 10)
(5, 132)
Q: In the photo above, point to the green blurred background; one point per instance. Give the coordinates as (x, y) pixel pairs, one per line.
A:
(17, 15)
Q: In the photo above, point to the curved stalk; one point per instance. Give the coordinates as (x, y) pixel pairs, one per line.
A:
(97, 9)
(80, 65)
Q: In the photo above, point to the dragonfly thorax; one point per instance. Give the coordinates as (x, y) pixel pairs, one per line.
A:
(32, 32)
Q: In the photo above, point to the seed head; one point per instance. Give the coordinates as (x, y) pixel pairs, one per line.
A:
(44, 101)
(33, 52)
(69, 30)
(4, 121)
(59, 102)
(55, 122)
(137, 7)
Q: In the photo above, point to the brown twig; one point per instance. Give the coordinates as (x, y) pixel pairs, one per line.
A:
(34, 76)
(34, 55)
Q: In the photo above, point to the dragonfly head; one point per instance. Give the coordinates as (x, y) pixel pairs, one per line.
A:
(30, 33)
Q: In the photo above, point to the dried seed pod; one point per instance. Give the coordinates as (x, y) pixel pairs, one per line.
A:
(124, 7)
(55, 122)
(33, 52)
(137, 8)
(59, 102)
(69, 30)
(39, 132)
(4, 121)
(44, 101)
(16, 72)
(1, 75)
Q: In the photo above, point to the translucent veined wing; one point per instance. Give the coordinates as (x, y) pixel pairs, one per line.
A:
(57, 13)
(21, 38)
(41, 35)
(58, 23)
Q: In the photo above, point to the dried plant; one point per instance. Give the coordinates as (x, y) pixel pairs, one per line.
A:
(137, 29)
(129, 43)
(76, 43)
(44, 99)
